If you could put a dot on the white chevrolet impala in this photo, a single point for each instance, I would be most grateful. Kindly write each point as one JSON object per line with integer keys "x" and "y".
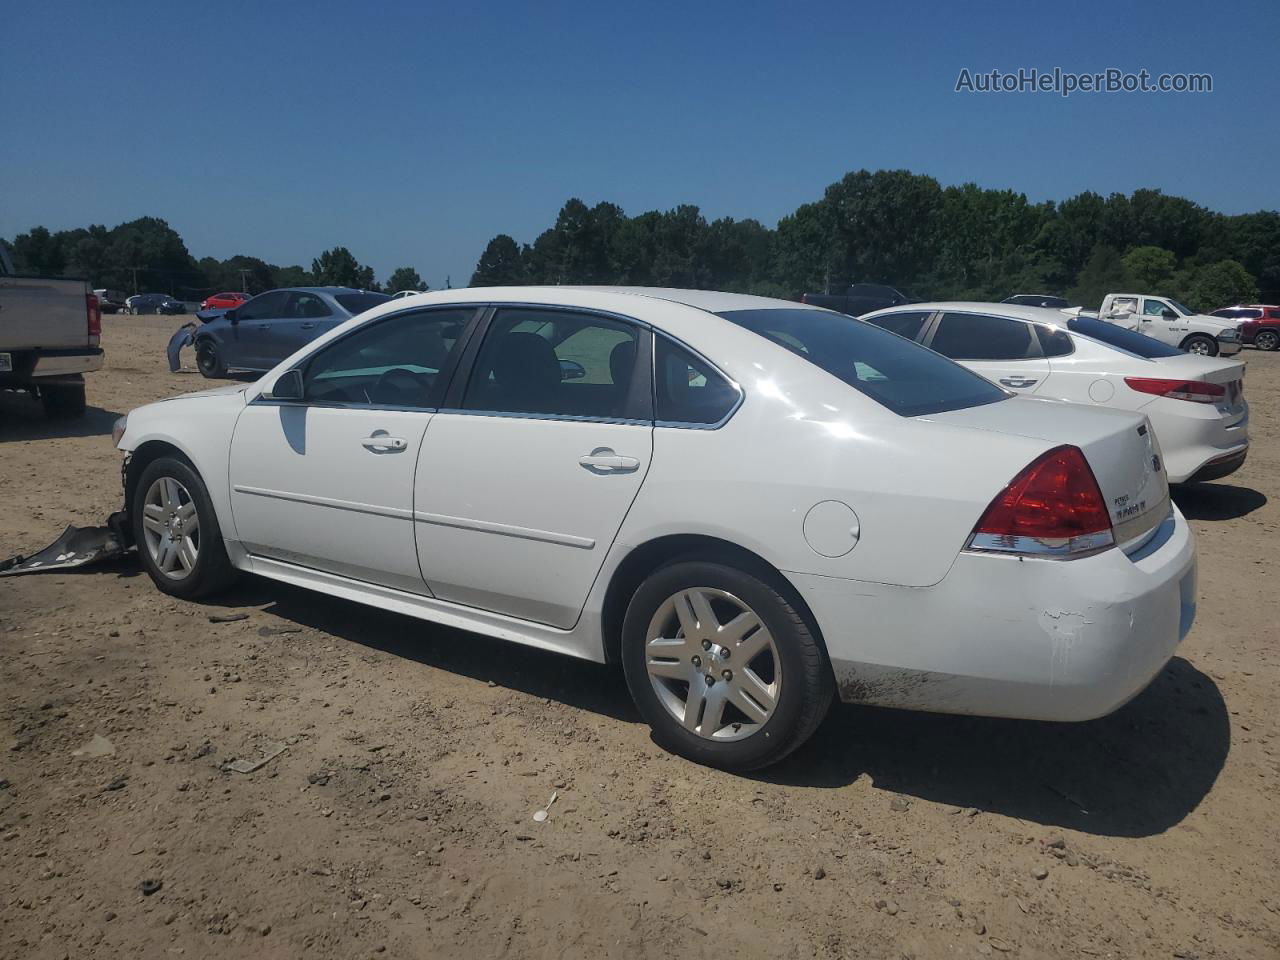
{"x": 750, "y": 504}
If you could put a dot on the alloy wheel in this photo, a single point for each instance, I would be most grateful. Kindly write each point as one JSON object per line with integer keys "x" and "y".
{"x": 171, "y": 528}
{"x": 1267, "y": 340}
{"x": 1199, "y": 347}
{"x": 713, "y": 664}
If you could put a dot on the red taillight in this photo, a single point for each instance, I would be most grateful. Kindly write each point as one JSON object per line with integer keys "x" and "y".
{"x": 1052, "y": 508}
{"x": 93, "y": 311}
{"x": 1197, "y": 391}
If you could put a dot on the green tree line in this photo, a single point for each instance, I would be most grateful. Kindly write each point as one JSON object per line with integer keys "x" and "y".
{"x": 147, "y": 255}
{"x": 887, "y": 226}
{"x": 906, "y": 230}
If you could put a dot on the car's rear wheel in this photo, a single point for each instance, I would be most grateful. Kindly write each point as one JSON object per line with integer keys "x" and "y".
{"x": 64, "y": 401}
{"x": 1267, "y": 340}
{"x": 176, "y": 531}
{"x": 725, "y": 670}
{"x": 209, "y": 359}
{"x": 1201, "y": 345}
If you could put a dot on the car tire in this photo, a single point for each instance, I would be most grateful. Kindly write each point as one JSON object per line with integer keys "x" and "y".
{"x": 774, "y": 682}
{"x": 209, "y": 359}
{"x": 183, "y": 559}
{"x": 1201, "y": 344}
{"x": 63, "y": 401}
{"x": 1267, "y": 340}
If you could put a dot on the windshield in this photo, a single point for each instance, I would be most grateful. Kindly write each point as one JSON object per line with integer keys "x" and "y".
{"x": 909, "y": 379}
{"x": 1185, "y": 311}
{"x": 355, "y": 303}
{"x": 1121, "y": 338}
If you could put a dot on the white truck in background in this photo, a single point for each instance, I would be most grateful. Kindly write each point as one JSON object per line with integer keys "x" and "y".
{"x": 50, "y": 330}
{"x": 1166, "y": 320}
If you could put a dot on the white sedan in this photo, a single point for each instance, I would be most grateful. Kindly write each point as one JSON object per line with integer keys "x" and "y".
{"x": 750, "y": 504}
{"x": 1195, "y": 403}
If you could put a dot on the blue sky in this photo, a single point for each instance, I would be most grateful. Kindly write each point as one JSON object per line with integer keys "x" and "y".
{"x": 412, "y": 132}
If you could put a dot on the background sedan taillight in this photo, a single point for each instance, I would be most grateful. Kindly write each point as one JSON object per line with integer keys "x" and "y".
{"x": 1053, "y": 508}
{"x": 1197, "y": 391}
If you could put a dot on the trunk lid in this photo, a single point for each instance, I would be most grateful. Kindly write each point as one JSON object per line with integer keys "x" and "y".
{"x": 1119, "y": 445}
{"x": 1228, "y": 374}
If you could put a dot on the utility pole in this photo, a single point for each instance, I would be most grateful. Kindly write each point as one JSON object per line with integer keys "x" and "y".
{"x": 135, "y": 276}
{"x": 244, "y": 282}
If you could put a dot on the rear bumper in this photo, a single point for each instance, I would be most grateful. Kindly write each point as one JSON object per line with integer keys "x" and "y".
{"x": 999, "y": 636}
{"x": 1194, "y": 437}
{"x": 1221, "y": 466}
{"x": 29, "y": 365}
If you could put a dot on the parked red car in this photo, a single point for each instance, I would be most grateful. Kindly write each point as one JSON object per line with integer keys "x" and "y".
{"x": 1259, "y": 323}
{"x": 224, "y": 301}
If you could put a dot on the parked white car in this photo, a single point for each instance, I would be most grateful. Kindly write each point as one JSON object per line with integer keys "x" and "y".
{"x": 749, "y": 503}
{"x": 1166, "y": 320}
{"x": 1195, "y": 403}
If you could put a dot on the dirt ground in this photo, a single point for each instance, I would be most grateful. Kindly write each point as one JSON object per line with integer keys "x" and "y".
{"x": 398, "y": 822}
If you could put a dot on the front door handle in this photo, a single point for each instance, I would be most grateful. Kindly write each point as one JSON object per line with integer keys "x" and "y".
{"x": 383, "y": 442}
{"x": 603, "y": 459}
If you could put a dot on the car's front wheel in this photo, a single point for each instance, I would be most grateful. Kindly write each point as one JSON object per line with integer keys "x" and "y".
{"x": 209, "y": 359}
{"x": 722, "y": 666}
{"x": 177, "y": 532}
{"x": 1201, "y": 345}
{"x": 1267, "y": 340}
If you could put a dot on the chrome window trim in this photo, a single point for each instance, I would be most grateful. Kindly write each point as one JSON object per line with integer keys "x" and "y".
{"x": 336, "y": 405}
{"x": 566, "y": 417}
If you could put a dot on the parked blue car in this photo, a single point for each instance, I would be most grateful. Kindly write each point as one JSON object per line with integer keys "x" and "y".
{"x": 263, "y": 331}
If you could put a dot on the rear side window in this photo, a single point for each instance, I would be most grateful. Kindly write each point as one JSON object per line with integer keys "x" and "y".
{"x": 1121, "y": 338}
{"x": 905, "y": 324}
{"x": 688, "y": 390}
{"x": 1238, "y": 314}
{"x": 976, "y": 336}
{"x": 897, "y": 373}
{"x": 556, "y": 363}
{"x": 355, "y": 303}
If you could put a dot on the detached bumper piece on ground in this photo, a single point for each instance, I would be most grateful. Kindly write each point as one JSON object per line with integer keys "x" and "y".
{"x": 77, "y": 547}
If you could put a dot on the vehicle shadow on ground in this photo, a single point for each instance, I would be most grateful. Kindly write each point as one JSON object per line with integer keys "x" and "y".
{"x": 1137, "y": 772}
{"x": 576, "y": 683}
{"x": 1216, "y": 501}
{"x": 22, "y": 418}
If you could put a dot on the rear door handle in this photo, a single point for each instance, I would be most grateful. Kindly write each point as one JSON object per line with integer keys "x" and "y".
{"x": 383, "y": 442}
{"x": 606, "y": 459}
{"x": 308, "y": 326}
{"x": 1019, "y": 383}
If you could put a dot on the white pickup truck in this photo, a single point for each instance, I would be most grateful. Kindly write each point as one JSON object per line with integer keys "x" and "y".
{"x": 49, "y": 338}
{"x": 1168, "y": 321}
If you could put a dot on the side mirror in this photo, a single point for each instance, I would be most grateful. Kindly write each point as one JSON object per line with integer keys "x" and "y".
{"x": 572, "y": 370}
{"x": 233, "y": 316}
{"x": 288, "y": 386}
{"x": 1168, "y": 314}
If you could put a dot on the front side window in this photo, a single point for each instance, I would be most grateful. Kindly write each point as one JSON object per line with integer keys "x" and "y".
{"x": 556, "y": 363}
{"x": 688, "y": 390}
{"x": 898, "y": 374}
{"x": 975, "y": 336}
{"x": 1154, "y": 308}
{"x": 906, "y": 324}
{"x": 264, "y": 306}
{"x": 394, "y": 362}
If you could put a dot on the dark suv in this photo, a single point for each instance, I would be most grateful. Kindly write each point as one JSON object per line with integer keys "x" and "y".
{"x": 1259, "y": 323}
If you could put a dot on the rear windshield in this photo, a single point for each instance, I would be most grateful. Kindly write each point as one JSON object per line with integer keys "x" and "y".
{"x": 1124, "y": 339}
{"x": 899, "y": 374}
{"x": 355, "y": 303}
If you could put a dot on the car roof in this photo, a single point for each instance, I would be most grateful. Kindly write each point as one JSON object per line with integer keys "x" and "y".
{"x": 712, "y": 301}
{"x": 1047, "y": 315}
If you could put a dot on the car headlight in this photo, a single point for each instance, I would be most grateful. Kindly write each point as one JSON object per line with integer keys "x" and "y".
{"x": 118, "y": 428}
{"x": 1229, "y": 335}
